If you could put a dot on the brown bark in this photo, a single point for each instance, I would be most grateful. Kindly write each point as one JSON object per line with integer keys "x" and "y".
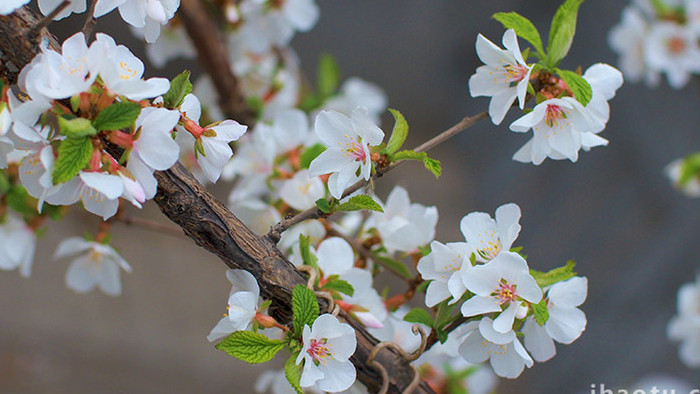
{"x": 212, "y": 226}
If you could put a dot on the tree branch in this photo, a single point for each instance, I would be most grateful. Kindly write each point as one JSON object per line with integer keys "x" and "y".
{"x": 214, "y": 56}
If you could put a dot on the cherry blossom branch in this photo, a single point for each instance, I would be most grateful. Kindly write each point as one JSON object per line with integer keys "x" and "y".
{"x": 214, "y": 57}
{"x": 16, "y": 45}
{"x": 90, "y": 21}
{"x": 36, "y": 29}
{"x": 314, "y": 213}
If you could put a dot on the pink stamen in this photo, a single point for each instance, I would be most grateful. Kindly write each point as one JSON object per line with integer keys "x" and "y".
{"x": 318, "y": 350}
{"x": 553, "y": 114}
{"x": 506, "y": 292}
{"x": 515, "y": 72}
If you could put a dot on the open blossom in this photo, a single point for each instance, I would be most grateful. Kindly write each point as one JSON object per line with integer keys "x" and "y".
{"x": 327, "y": 347}
{"x": 503, "y": 285}
{"x": 243, "y": 303}
{"x": 674, "y": 50}
{"x": 442, "y": 267}
{"x": 506, "y": 354}
{"x": 97, "y": 265}
{"x": 302, "y": 191}
{"x": 98, "y": 191}
{"x": 566, "y": 322}
{"x": 270, "y": 23}
{"x": 604, "y": 80}
{"x": 348, "y": 141}
{"x": 490, "y": 237}
{"x": 685, "y": 326}
{"x": 404, "y": 226}
{"x": 504, "y": 76}
{"x": 147, "y": 14}
{"x": 628, "y": 40}
{"x": 17, "y": 245}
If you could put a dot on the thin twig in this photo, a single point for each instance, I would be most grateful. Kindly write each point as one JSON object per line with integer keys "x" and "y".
{"x": 90, "y": 21}
{"x": 36, "y": 29}
{"x": 314, "y": 213}
{"x": 150, "y": 225}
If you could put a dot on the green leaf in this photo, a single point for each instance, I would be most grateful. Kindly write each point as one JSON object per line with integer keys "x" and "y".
{"x": 76, "y": 127}
{"x": 305, "y": 308}
{"x": 328, "y": 76}
{"x": 20, "y": 201}
{"x": 444, "y": 314}
{"x": 340, "y": 286}
{"x": 310, "y": 154}
{"x": 554, "y": 276}
{"x": 541, "y": 312}
{"x": 359, "y": 202}
{"x": 433, "y": 166}
{"x": 399, "y": 133}
{"x": 305, "y": 250}
{"x": 561, "y": 34}
{"x": 690, "y": 168}
{"x": 75, "y": 102}
{"x": 292, "y": 372}
{"x": 419, "y": 315}
{"x": 4, "y": 181}
{"x": 523, "y": 29}
{"x": 394, "y": 265}
{"x": 251, "y": 347}
{"x": 73, "y": 155}
{"x": 117, "y": 116}
{"x": 579, "y": 87}
{"x": 180, "y": 87}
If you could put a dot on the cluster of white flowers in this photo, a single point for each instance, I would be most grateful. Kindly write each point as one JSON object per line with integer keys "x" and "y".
{"x": 657, "y": 37}
{"x": 685, "y": 326}
{"x": 501, "y": 290}
{"x": 561, "y": 125}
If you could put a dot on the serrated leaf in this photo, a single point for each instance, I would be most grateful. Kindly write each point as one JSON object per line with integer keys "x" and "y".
{"x": 409, "y": 155}
{"x": 310, "y": 154}
{"x": 579, "y": 87}
{"x": 359, "y": 202}
{"x": 305, "y": 250}
{"x": 433, "y": 166}
{"x": 394, "y": 265}
{"x": 523, "y": 29}
{"x": 117, "y": 116}
{"x": 73, "y": 155}
{"x": 541, "y": 312}
{"x": 419, "y": 315}
{"x": 305, "y": 308}
{"x": 561, "y": 33}
{"x": 292, "y": 372}
{"x": 328, "y": 76}
{"x": 180, "y": 87}
{"x": 555, "y": 275}
{"x": 251, "y": 347}
{"x": 340, "y": 286}
{"x": 76, "y": 127}
{"x": 399, "y": 133}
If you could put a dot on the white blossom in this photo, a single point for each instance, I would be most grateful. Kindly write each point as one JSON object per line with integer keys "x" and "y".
{"x": 147, "y": 14}
{"x": 356, "y": 92}
{"x": 17, "y": 245}
{"x": 99, "y": 193}
{"x": 504, "y": 77}
{"x": 243, "y": 303}
{"x": 348, "y": 141}
{"x": 301, "y": 191}
{"x": 327, "y": 347}
{"x": 442, "y": 267}
{"x": 673, "y": 49}
{"x": 97, "y": 265}
{"x": 628, "y": 40}
{"x": 685, "y": 326}
{"x": 490, "y": 237}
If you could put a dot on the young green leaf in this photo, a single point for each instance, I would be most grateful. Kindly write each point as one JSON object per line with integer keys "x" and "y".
{"x": 556, "y": 275}
{"x": 323, "y": 205}
{"x": 561, "y": 34}
{"x": 310, "y": 154}
{"x": 419, "y": 315}
{"x": 523, "y": 29}
{"x": 398, "y": 135}
{"x": 251, "y": 347}
{"x": 394, "y": 265}
{"x": 359, "y": 202}
{"x": 305, "y": 308}
{"x": 76, "y": 127}
{"x": 328, "y": 76}
{"x": 73, "y": 155}
{"x": 541, "y": 312}
{"x": 117, "y": 116}
{"x": 20, "y": 201}
{"x": 340, "y": 286}
{"x": 180, "y": 87}
{"x": 433, "y": 166}
{"x": 292, "y": 372}
{"x": 305, "y": 250}
{"x": 579, "y": 87}
{"x": 690, "y": 168}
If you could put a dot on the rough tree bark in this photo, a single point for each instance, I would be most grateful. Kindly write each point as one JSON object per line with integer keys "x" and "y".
{"x": 212, "y": 226}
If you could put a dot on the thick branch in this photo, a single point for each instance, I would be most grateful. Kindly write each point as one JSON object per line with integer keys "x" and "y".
{"x": 212, "y": 226}
{"x": 17, "y": 47}
{"x": 214, "y": 56}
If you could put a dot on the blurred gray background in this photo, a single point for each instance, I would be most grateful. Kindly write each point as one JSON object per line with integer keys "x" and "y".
{"x": 632, "y": 235}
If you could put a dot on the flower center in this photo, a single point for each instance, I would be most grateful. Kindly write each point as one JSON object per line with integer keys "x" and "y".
{"x": 553, "y": 114}
{"x": 515, "y": 72}
{"x": 675, "y": 45}
{"x": 319, "y": 351}
{"x": 353, "y": 148}
{"x": 505, "y": 293}
{"x": 492, "y": 249}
